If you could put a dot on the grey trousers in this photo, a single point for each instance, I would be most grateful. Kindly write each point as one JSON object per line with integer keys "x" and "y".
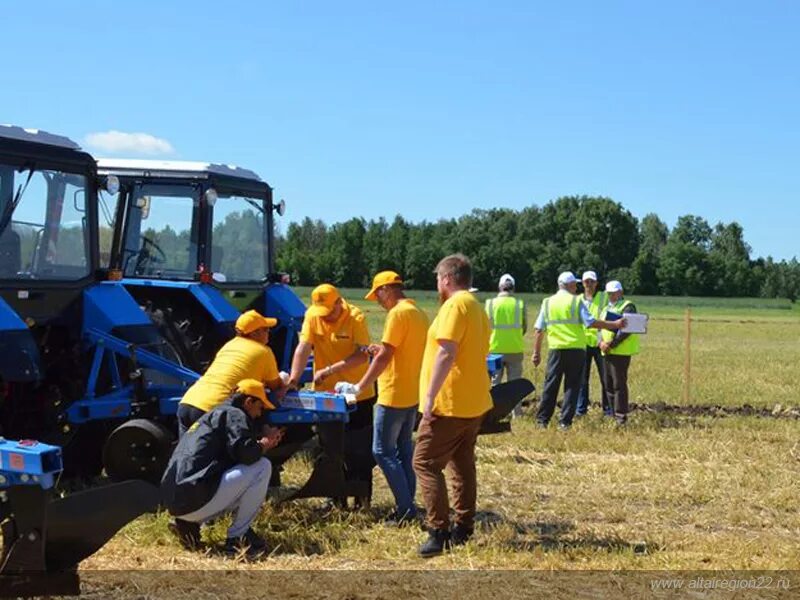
{"x": 512, "y": 366}
{"x": 242, "y": 489}
{"x": 616, "y": 375}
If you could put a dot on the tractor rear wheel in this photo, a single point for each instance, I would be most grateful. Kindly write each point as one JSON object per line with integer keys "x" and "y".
{"x": 138, "y": 449}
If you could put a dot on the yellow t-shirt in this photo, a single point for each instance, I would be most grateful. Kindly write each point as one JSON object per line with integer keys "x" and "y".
{"x": 336, "y": 341}
{"x": 405, "y": 330}
{"x": 465, "y": 392}
{"x": 240, "y": 358}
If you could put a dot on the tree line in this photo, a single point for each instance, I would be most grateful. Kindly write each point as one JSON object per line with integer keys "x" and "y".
{"x": 535, "y": 244}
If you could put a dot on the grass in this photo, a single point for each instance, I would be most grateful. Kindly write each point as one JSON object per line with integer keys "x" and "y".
{"x": 670, "y": 492}
{"x": 743, "y": 350}
{"x": 666, "y": 493}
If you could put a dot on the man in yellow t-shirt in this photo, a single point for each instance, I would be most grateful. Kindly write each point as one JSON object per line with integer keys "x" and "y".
{"x": 454, "y": 397}
{"x": 396, "y": 366}
{"x": 337, "y": 333}
{"x": 246, "y": 356}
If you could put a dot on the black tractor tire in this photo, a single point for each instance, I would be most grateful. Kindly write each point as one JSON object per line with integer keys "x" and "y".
{"x": 138, "y": 449}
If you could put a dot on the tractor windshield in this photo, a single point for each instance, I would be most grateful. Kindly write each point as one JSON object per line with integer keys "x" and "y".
{"x": 161, "y": 232}
{"x": 239, "y": 239}
{"x": 44, "y": 230}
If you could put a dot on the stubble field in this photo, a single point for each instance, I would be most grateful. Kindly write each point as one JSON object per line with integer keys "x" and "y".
{"x": 678, "y": 489}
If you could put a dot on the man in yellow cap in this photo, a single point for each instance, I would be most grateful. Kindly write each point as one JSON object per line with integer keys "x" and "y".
{"x": 337, "y": 333}
{"x": 396, "y": 366}
{"x": 246, "y": 356}
{"x": 218, "y": 466}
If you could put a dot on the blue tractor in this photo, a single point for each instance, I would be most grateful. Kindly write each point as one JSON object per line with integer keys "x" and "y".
{"x": 86, "y": 372}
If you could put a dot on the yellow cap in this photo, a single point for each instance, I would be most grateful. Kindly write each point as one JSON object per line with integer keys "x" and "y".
{"x": 252, "y": 320}
{"x": 323, "y": 299}
{"x": 254, "y": 388}
{"x": 381, "y": 279}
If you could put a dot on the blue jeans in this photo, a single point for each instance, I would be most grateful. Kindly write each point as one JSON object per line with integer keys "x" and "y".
{"x": 394, "y": 453}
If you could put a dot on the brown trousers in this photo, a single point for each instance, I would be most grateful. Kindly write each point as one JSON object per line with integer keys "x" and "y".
{"x": 447, "y": 442}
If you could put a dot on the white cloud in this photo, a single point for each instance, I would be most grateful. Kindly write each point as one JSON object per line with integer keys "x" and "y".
{"x": 119, "y": 142}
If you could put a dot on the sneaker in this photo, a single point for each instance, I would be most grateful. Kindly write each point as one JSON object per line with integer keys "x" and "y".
{"x": 252, "y": 543}
{"x": 188, "y": 533}
{"x": 339, "y": 503}
{"x": 397, "y": 520}
{"x": 563, "y": 427}
{"x": 541, "y": 425}
{"x": 460, "y": 535}
{"x": 438, "y": 541}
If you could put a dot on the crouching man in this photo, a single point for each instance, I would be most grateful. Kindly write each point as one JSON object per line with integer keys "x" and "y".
{"x": 218, "y": 466}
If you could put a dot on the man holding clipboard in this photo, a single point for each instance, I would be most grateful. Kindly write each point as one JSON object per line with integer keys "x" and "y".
{"x": 618, "y": 347}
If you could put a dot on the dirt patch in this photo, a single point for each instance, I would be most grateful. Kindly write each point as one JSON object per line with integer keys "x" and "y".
{"x": 745, "y": 410}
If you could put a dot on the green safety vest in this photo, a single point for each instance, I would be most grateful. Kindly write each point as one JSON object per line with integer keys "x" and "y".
{"x": 599, "y": 302}
{"x": 506, "y": 316}
{"x": 562, "y": 315}
{"x": 630, "y": 345}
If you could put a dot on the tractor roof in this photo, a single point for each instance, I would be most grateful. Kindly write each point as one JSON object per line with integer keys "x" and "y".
{"x": 172, "y": 168}
{"x": 37, "y": 136}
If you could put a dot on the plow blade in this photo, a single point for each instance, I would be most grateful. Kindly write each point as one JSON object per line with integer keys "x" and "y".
{"x": 327, "y": 478}
{"x": 505, "y": 397}
{"x": 45, "y": 539}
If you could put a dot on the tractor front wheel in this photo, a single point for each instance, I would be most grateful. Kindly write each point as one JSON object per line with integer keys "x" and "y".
{"x": 138, "y": 449}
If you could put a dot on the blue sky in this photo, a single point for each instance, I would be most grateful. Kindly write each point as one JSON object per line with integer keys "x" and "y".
{"x": 432, "y": 109}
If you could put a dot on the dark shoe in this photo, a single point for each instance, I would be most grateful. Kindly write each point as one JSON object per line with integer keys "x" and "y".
{"x": 251, "y": 543}
{"x": 361, "y": 502}
{"x": 335, "y": 504}
{"x": 397, "y": 520}
{"x": 541, "y": 425}
{"x": 622, "y": 421}
{"x": 460, "y": 535}
{"x": 188, "y": 533}
{"x": 438, "y": 541}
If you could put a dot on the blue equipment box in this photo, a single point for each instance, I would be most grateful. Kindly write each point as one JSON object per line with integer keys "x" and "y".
{"x": 28, "y": 462}
{"x": 494, "y": 362}
{"x": 309, "y": 407}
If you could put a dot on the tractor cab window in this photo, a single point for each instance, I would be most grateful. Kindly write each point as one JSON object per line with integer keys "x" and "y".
{"x": 44, "y": 228}
{"x": 107, "y": 209}
{"x": 160, "y": 240}
{"x": 238, "y": 239}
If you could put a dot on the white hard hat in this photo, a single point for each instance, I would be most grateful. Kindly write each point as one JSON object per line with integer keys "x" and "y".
{"x": 506, "y": 278}
{"x": 589, "y": 275}
{"x": 566, "y": 277}
{"x": 614, "y": 286}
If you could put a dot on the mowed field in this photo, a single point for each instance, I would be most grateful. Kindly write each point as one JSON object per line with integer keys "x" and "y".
{"x": 674, "y": 490}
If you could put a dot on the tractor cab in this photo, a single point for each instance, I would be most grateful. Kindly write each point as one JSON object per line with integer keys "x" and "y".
{"x": 194, "y": 243}
{"x": 48, "y": 256}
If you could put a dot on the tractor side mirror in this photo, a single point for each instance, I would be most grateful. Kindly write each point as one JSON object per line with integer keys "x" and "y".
{"x": 143, "y": 204}
{"x": 280, "y": 207}
{"x": 211, "y": 196}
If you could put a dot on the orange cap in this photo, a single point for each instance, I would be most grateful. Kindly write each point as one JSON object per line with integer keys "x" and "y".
{"x": 323, "y": 299}
{"x": 252, "y": 320}
{"x": 381, "y": 279}
{"x": 254, "y": 388}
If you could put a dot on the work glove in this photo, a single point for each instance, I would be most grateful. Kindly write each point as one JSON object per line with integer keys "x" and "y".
{"x": 349, "y": 390}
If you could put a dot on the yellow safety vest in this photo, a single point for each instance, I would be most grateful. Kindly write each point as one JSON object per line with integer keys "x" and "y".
{"x": 630, "y": 345}
{"x": 505, "y": 318}
{"x": 562, "y": 315}
{"x": 595, "y": 308}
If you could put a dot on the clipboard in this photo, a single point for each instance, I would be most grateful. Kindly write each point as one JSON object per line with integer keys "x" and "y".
{"x": 635, "y": 323}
